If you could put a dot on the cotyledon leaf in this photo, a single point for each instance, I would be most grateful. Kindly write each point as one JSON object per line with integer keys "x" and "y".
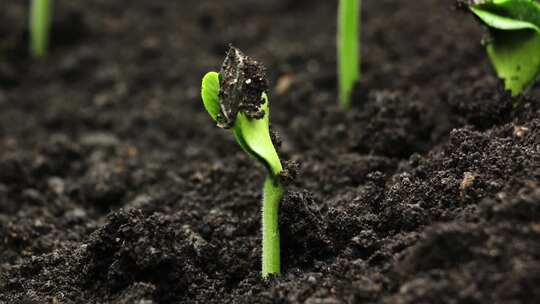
{"x": 253, "y": 135}
{"x": 514, "y": 49}
{"x": 515, "y": 58}
{"x": 209, "y": 93}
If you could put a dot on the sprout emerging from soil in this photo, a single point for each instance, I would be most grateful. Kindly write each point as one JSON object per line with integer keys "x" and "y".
{"x": 348, "y": 49}
{"x": 514, "y": 45}
{"x": 40, "y": 23}
{"x": 236, "y": 98}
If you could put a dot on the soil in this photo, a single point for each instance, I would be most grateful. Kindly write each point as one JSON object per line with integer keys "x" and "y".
{"x": 116, "y": 186}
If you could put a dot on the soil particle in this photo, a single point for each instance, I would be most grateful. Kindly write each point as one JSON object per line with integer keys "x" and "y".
{"x": 132, "y": 245}
{"x": 302, "y": 230}
{"x": 466, "y": 182}
{"x": 289, "y": 173}
{"x": 473, "y": 250}
{"x": 482, "y": 107}
{"x": 520, "y": 131}
{"x": 104, "y": 185}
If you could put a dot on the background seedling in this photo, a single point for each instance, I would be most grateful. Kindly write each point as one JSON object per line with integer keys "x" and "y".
{"x": 236, "y": 98}
{"x": 39, "y": 25}
{"x": 514, "y": 48}
{"x": 348, "y": 49}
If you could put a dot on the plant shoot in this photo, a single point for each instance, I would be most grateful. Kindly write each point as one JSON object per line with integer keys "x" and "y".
{"x": 348, "y": 49}
{"x": 40, "y": 24}
{"x": 236, "y": 99}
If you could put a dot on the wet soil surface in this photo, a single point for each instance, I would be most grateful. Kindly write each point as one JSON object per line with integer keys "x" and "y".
{"x": 116, "y": 187}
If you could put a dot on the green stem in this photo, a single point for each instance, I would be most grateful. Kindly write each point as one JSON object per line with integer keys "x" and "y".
{"x": 271, "y": 260}
{"x": 40, "y": 22}
{"x": 348, "y": 49}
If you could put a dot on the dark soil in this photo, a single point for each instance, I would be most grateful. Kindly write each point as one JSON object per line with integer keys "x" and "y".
{"x": 116, "y": 186}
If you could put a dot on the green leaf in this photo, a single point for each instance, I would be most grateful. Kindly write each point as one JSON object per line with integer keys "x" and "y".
{"x": 515, "y": 58}
{"x": 515, "y": 46}
{"x": 209, "y": 93}
{"x": 253, "y": 135}
{"x": 509, "y": 14}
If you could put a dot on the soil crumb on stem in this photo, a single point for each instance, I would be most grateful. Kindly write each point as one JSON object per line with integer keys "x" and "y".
{"x": 242, "y": 83}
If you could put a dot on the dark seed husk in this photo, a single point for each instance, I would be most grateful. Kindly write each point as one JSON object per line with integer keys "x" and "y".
{"x": 242, "y": 82}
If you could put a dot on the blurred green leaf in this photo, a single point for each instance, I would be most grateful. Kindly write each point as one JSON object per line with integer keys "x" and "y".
{"x": 209, "y": 93}
{"x": 514, "y": 48}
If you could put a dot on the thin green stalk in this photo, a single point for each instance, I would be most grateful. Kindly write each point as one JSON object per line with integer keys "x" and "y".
{"x": 271, "y": 260}
{"x": 348, "y": 49}
{"x": 40, "y": 23}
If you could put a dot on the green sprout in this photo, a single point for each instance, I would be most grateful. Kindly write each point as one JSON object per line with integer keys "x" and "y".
{"x": 514, "y": 47}
{"x": 236, "y": 98}
{"x": 40, "y": 23}
{"x": 348, "y": 49}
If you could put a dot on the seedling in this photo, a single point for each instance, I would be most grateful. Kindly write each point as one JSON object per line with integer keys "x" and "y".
{"x": 236, "y": 99}
{"x": 348, "y": 49}
{"x": 39, "y": 24}
{"x": 514, "y": 47}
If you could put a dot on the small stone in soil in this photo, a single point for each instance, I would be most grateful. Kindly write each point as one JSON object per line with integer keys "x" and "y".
{"x": 520, "y": 131}
{"x": 466, "y": 182}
